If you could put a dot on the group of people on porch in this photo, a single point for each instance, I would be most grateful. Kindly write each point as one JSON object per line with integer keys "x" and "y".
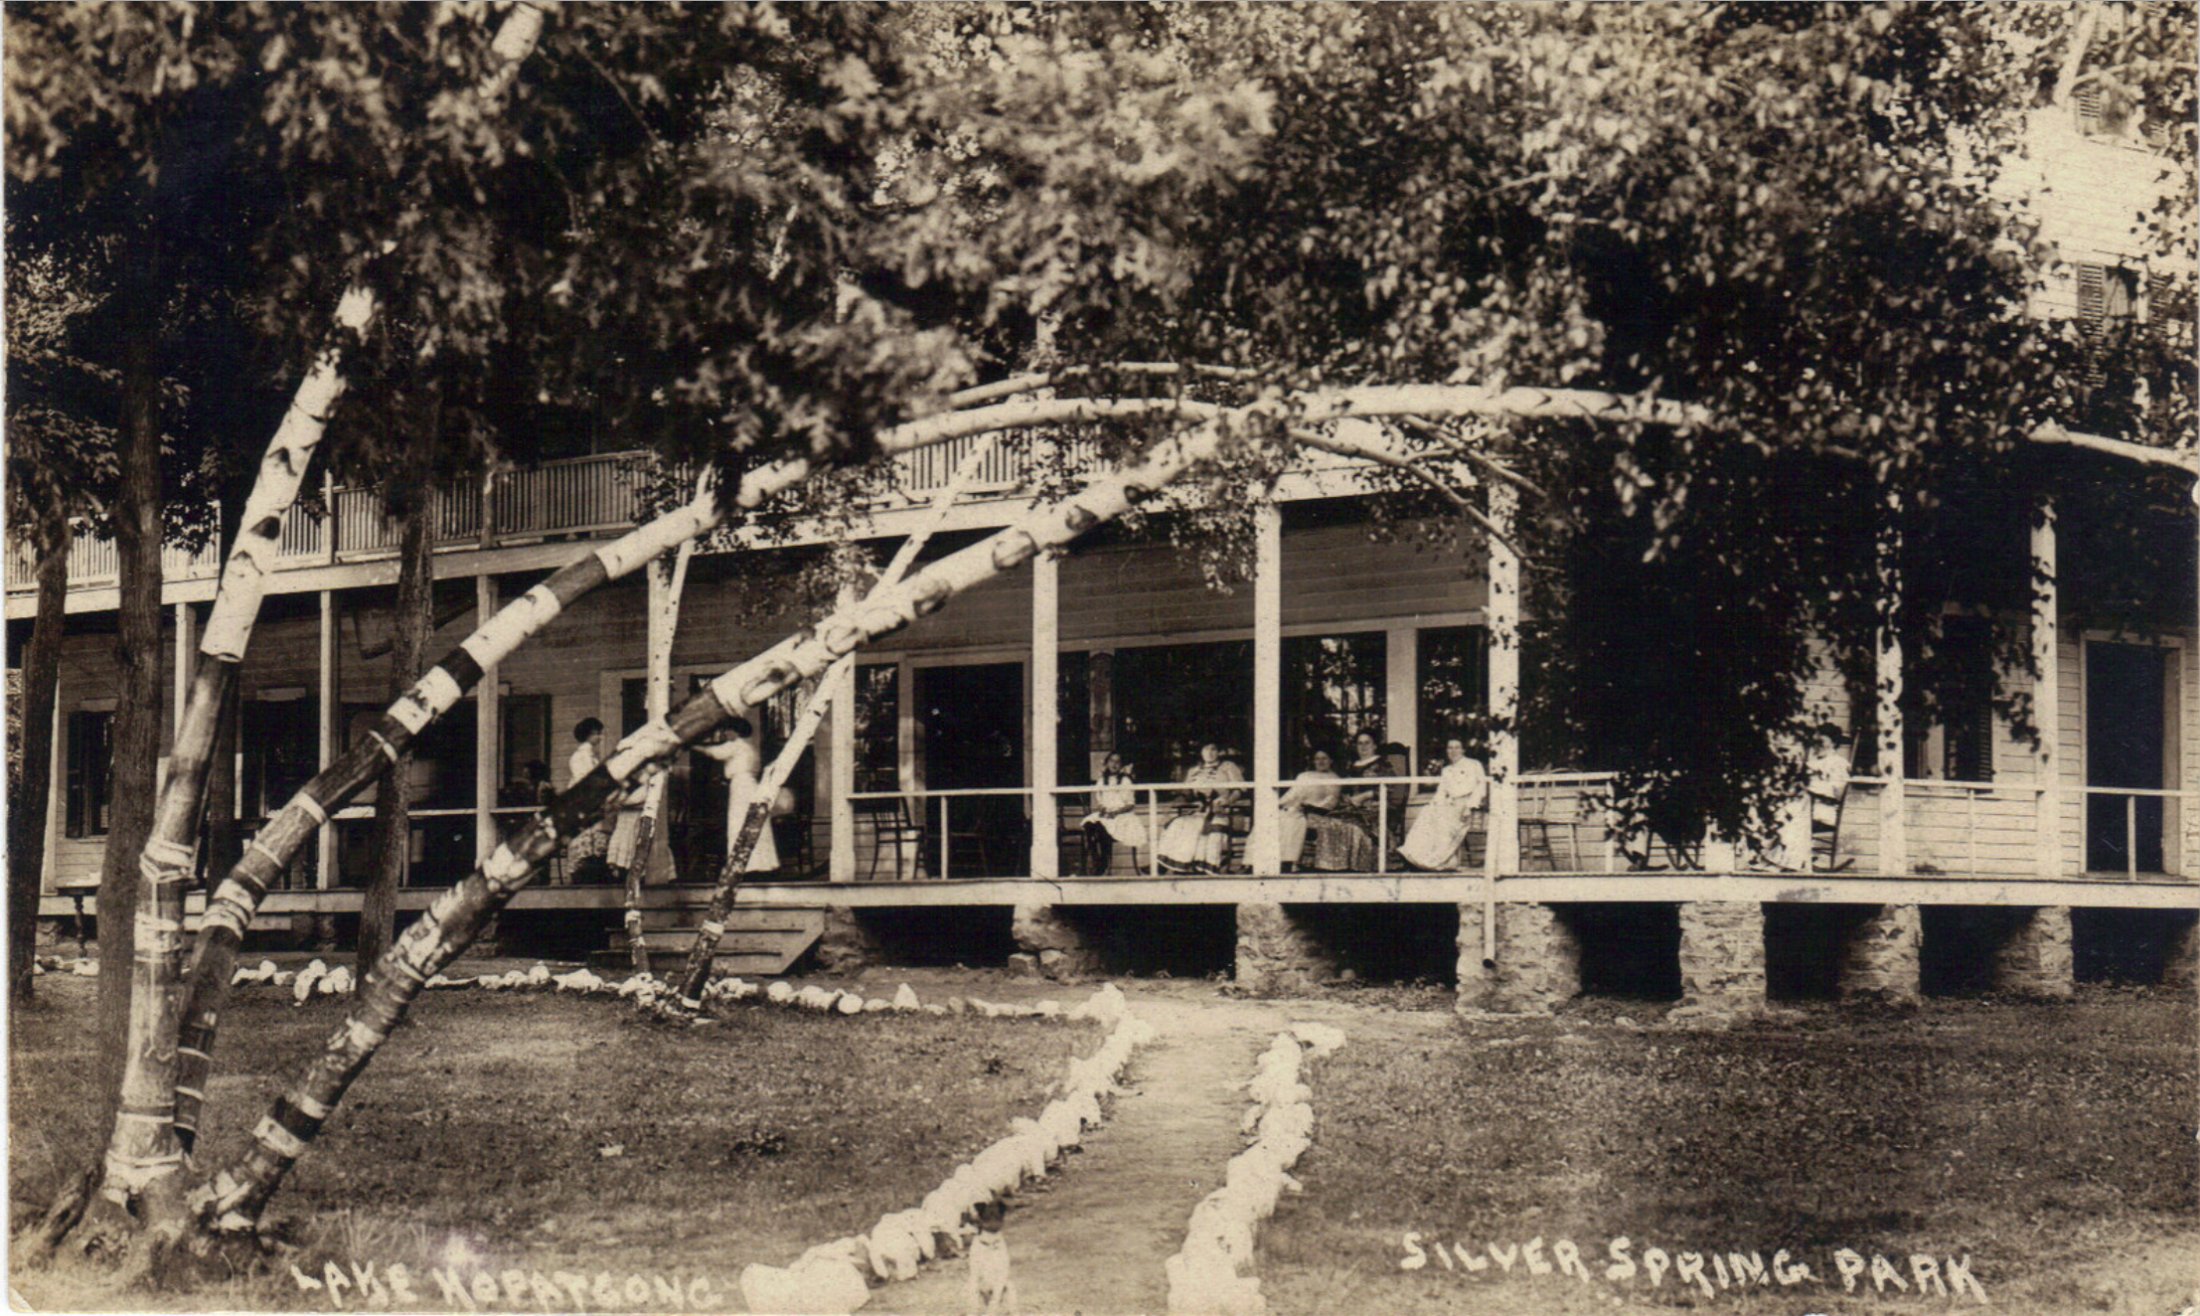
{"x": 1324, "y": 822}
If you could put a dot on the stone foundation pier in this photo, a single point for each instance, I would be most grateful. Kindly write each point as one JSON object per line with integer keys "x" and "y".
{"x": 1055, "y": 943}
{"x": 2034, "y": 957}
{"x": 1722, "y": 960}
{"x": 1536, "y": 965}
{"x": 1880, "y": 961}
{"x": 1277, "y": 951}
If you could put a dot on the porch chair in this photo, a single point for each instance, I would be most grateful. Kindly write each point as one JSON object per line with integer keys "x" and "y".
{"x": 1825, "y": 832}
{"x": 890, "y": 825}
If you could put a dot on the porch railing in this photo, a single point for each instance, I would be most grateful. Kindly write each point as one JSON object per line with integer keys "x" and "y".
{"x": 579, "y": 496}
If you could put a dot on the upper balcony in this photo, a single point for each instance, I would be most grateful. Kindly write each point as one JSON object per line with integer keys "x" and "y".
{"x": 574, "y": 498}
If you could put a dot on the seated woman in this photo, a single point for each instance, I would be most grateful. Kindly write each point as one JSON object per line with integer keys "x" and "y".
{"x": 1374, "y": 808}
{"x": 1197, "y": 840}
{"x": 1442, "y": 828}
{"x": 1114, "y": 819}
{"x": 1308, "y": 808}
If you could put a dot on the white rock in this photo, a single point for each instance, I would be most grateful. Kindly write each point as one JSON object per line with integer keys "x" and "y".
{"x": 905, "y": 999}
{"x": 816, "y": 1288}
{"x": 579, "y": 980}
{"x": 850, "y": 1003}
{"x": 1321, "y": 1039}
{"x": 877, "y": 1005}
{"x": 302, "y": 986}
{"x": 538, "y": 976}
{"x": 337, "y": 981}
{"x": 780, "y": 992}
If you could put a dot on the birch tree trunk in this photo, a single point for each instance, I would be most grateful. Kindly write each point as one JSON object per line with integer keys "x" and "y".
{"x": 670, "y": 580}
{"x": 231, "y": 908}
{"x": 144, "y": 1151}
{"x": 758, "y": 815}
{"x": 28, "y": 804}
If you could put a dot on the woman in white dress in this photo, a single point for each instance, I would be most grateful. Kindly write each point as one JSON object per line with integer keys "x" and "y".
{"x": 585, "y": 850}
{"x": 1114, "y": 819}
{"x": 1312, "y": 795}
{"x": 1442, "y": 828}
{"x": 743, "y": 765}
{"x": 1198, "y": 839}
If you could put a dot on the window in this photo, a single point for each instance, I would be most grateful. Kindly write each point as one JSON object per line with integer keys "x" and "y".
{"x": 527, "y": 744}
{"x": 1452, "y": 686}
{"x": 1075, "y": 712}
{"x": 1172, "y": 698}
{"x": 1333, "y": 689}
{"x": 1967, "y": 700}
{"x": 91, "y": 772}
{"x": 280, "y": 744}
{"x": 878, "y": 727}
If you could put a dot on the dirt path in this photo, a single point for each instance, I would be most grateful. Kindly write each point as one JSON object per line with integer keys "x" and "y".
{"x": 1093, "y": 1238}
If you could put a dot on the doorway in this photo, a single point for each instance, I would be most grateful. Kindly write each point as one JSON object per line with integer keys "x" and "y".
{"x": 2126, "y": 747}
{"x": 970, "y": 724}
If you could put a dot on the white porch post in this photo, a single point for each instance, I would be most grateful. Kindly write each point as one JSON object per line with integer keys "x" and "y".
{"x": 1260, "y": 847}
{"x": 187, "y": 648}
{"x": 1894, "y": 848}
{"x": 488, "y": 709}
{"x": 1401, "y": 700}
{"x": 331, "y": 710}
{"x": 841, "y": 764}
{"x": 2047, "y": 693}
{"x": 1503, "y": 851}
{"x": 1046, "y": 640}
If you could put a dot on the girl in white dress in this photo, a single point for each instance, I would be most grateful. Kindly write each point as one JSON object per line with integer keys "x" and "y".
{"x": 1114, "y": 819}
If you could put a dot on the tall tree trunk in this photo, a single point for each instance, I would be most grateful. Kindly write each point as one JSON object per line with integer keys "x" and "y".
{"x": 136, "y": 737}
{"x": 143, "y": 1152}
{"x": 411, "y": 625}
{"x": 28, "y": 804}
{"x": 224, "y": 838}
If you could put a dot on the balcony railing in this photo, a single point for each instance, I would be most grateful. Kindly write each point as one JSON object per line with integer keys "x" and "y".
{"x": 579, "y": 496}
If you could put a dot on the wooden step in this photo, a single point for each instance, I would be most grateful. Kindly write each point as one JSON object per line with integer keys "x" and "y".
{"x": 757, "y": 941}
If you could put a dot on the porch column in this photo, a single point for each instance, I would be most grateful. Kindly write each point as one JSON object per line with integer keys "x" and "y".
{"x": 1260, "y": 847}
{"x": 2047, "y": 692}
{"x": 1894, "y": 849}
{"x": 488, "y": 707}
{"x": 1046, "y": 653}
{"x": 331, "y": 709}
{"x": 1401, "y": 700}
{"x": 841, "y": 764}
{"x": 186, "y": 647}
{"x": 1503, "y": 850}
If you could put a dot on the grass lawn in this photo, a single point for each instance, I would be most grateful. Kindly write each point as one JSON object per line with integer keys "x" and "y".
{"x": 2052, "y": 1144}
{"x": 488, "y": 1117}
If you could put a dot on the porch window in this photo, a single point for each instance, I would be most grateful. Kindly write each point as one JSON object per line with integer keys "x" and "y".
{"x": 1172, "y": 698}
{"x": 280, "y": 740}
{"x": 1453, "y": 688}
{"x": 91, "y": 772}
{"x": 878, "y": 727}
{"x": 1333, "y": 688}
{"x": 526, "y": 741}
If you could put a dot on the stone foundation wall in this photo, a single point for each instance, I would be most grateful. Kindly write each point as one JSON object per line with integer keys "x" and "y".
{"x": 1880, "y": 961}
{"x": 1538, "y": 960}
{"x": 1722, "y": 960}
{"x": 1055, "y": 945}
{"x": 2182, "y": 966}
{"x": 1275, "y": 952}
{"x": 846, "y": 945}
{"x": 2035, "y": 958}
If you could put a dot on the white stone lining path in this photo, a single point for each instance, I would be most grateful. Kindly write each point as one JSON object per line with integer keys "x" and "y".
{"x": 1212, "y": 1275}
